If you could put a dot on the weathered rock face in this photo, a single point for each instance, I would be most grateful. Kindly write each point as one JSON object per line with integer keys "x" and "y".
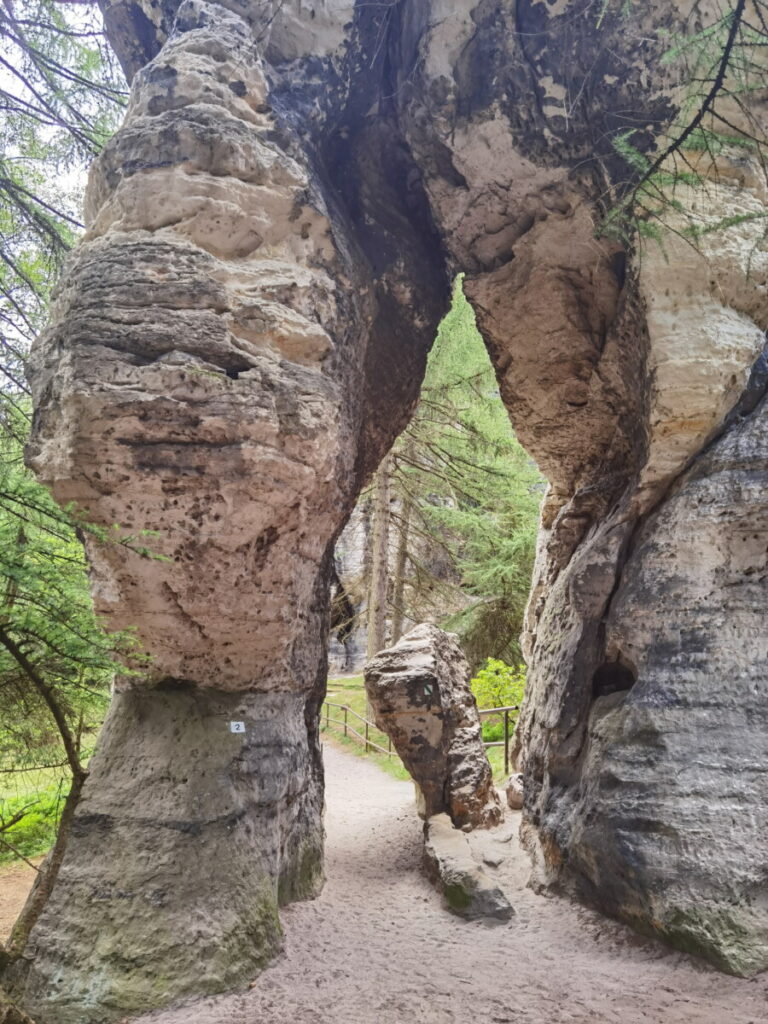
{"x": 420, "y": 695}
{"x": 464, "y": 883}
{"x": 171, "y": 786}
{"x": 237, "y": 341}
{"x": 212, "y": 374}
{"x": 687, "y": 743}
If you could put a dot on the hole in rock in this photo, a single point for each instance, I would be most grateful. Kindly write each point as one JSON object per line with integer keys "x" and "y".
{"x": 612, "y": 677}
{"x": 445, "y": 533}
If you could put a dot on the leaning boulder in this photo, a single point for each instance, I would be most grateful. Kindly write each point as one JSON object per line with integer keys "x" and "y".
{"x": 420, "y": 694}
{"x": 467, "y": 889}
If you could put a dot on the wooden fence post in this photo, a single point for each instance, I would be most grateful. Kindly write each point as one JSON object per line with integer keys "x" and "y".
{"x": 506, "y": 742}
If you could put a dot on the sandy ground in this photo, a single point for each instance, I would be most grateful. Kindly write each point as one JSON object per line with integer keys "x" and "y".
{"x": 15, "y": 882}
{"x": 378, "y": 948}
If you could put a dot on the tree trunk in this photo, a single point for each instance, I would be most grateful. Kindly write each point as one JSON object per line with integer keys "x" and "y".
{"x": 50, "y": 870}
{"x": 401, "y": 561}
{"x": 377, "y": 602}
{"x": 10, "y": 1013}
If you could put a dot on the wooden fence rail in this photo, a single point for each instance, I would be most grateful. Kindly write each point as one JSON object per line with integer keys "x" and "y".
{"x": 349, "y": 730}
{"x": 343, "y": 726}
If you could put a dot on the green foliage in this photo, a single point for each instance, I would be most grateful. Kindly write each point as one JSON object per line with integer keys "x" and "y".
{"x": 46, "y": 601}
{"x": 698, "y": 230}
{"x": 720, "y": 66}
{"x": 35, "y": 831}
{"x": 498, "y": 685}
{"x": 61, "y": 94}
{"x": 474, "y": 495}
{"x": 53, "y": 651}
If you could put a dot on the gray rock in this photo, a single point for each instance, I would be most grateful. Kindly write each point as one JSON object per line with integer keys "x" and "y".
{"x": 467, "y": 889}
{"x": 493, "y": 860}
{"x": 692, "y": 815}
{"x": 515, "y": 793}
{"x": 211, "y": 375}
{"x": 420, "y": 694}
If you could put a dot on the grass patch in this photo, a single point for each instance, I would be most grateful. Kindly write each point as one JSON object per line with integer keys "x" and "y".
{"x": 351, "y": 691}
{"x": 496, "y": 758}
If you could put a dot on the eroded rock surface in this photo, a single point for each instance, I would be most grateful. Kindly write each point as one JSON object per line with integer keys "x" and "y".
{"x": 213, "y": 375}
{"x": 237, "y": 341}
{"x": 420, "y": 694}
{"x": 689, "y": 733}
{"x": 515, "y": 791}
{"x": 465, "y": 885}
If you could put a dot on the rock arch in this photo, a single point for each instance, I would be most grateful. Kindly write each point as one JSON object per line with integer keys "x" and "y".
{"x": 236, "y": 343}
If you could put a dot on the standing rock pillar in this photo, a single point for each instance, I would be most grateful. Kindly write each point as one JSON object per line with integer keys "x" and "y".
{"x": 204, "y": 379}
{"x": 420, "y": 694}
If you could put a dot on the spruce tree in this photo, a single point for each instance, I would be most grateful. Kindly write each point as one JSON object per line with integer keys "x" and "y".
{"x": 462, "y": 510}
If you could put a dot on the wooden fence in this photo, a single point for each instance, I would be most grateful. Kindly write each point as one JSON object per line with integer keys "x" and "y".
{"x": 363, "y": 731}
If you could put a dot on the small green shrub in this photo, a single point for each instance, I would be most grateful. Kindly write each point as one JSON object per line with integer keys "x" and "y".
{"x": 498, "y": 685}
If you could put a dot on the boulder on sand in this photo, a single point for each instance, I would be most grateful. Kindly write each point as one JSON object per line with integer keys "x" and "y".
{"x": 467, "y": 888}
{"x": 514, "y": 790}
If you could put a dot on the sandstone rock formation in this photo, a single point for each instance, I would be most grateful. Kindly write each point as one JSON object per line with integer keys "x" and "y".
{"x": 515, "y": 792}
{"x": 464, "y": 883}
{"x": 235, "y": 344}
{"x": 347, "y": 646}
{"x": 420, "y": 694}
{"x": 212, "y": 375}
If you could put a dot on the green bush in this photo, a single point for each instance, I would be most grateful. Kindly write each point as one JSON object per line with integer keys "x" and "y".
{"x": 35, "y": 833}
{"x": 498, "y": 685}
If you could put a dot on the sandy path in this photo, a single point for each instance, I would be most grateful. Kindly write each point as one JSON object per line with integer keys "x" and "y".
{"x": 377, "y": 948}
{"x": 15, "y": 882}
